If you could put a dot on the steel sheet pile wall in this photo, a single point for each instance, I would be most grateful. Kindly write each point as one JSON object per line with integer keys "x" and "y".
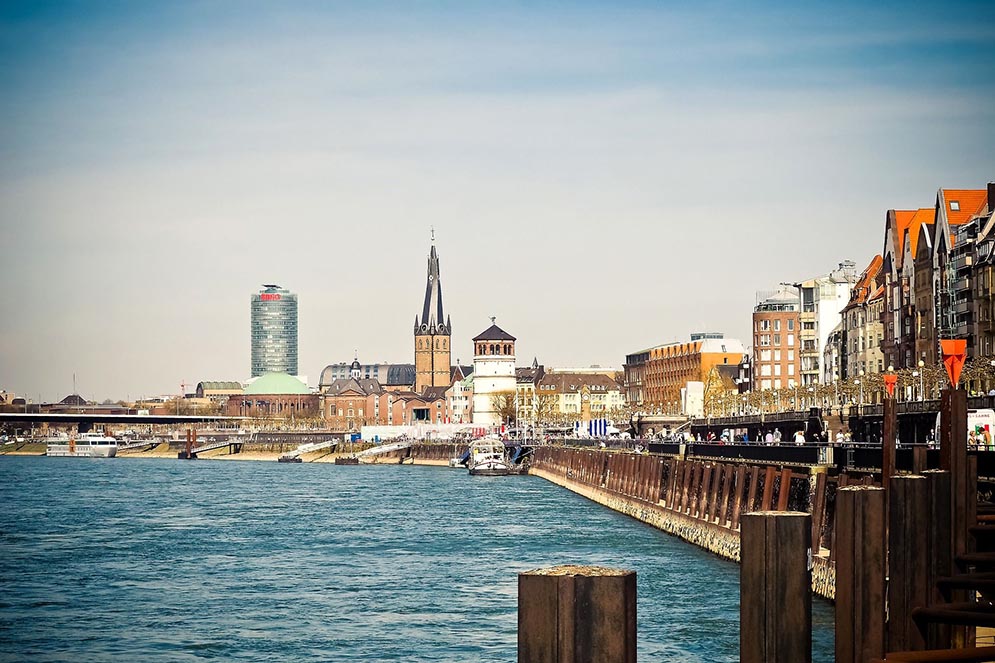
{"x": 701, "y": 501}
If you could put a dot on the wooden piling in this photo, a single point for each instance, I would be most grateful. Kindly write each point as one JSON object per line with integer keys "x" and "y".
{"x": 784, "y": 490}
{"x": 953, "y": 458}
{"x": 775, "y": 588}
{"x": 577, "y": 614}
{"x": 888, "y": 443}
{"x": 861, "y": 568}
{"x": 818, "y": 510}
{"x": 907, "y": 561}
{"x": 938, "y": 548}
{"x": 738, "y": 500}
{"x": 766, "y": 503}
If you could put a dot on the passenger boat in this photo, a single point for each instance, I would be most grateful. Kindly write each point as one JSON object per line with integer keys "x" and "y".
{"x": 88, "y": 445}
{"x": 488, "y": 457}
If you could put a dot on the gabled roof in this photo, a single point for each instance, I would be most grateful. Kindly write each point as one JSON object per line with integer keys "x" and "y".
{"x": 460, "y": 373}
{"x": 923, "y": 215}
{"x": 573, "y": 382}
{"x": 73, "y": 399}
{"x": 363, "y": 387}
{"x": 494, "y": 333}
{"x": 969, "y": 203}
{"x": 864, "y": 286}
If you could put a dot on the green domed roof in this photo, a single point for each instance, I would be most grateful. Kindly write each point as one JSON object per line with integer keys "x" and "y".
{"x": 277, "y": 383}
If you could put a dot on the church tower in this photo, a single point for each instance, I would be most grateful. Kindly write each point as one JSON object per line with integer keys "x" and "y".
{"x": 432, "y": 333}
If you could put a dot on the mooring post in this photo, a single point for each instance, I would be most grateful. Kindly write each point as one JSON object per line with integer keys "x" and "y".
{"x": 907, "y": 562}
{"x": 940, "y": 564}
{"x": 888, "y": 443}
{"x": 775, "y": 587}
{"x": 861, "y": 568}
{"x": 577, "y": 614}
{"x": 953, "y": 458}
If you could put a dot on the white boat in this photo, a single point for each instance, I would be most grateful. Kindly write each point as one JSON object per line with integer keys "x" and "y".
{"x": 87, "y": 445}
{"x": 488, "y": 457}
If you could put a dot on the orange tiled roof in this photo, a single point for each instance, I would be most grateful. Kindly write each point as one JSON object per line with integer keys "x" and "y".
{"x": 923, "y": 215}
{"x": 862, "y": 289}
{"x": 970, "y": 202}
{"x": 903, "y": 218}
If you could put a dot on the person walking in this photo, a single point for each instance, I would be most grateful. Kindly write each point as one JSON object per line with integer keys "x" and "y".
{"x": 799, "y": 437}
{"x": 777, "y": 436}
{"x": 769, "y": 438}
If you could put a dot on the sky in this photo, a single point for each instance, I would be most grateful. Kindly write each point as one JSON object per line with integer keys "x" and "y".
{"x": 601, "y": 177}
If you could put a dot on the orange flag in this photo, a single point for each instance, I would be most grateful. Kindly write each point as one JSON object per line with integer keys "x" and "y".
{"x": 954, "y": 353}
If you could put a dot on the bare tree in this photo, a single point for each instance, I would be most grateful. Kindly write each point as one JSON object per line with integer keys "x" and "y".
{"x": 503, "y": 404}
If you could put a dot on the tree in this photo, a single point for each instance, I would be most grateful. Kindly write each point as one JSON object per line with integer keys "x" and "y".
{"x": 716, "y": 386}
{"x": 547, "y": 408}
{"x": 503, "y": 404}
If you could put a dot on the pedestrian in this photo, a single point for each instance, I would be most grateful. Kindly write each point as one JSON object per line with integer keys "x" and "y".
{"x": 769, "y": 438}
{"x": 839, "y": 437}
{"x": 777, "y": 436}
{"x": 799, "y": 437}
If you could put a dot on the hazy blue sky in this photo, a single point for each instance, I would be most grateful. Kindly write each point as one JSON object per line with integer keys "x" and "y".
{"x": 602, "y": 177}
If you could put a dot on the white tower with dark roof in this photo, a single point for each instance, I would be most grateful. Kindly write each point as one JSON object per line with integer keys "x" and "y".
{"x": 493, "y": 374}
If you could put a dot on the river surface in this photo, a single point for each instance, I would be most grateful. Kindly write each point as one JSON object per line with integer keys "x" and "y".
{"x": 163, "y": 560}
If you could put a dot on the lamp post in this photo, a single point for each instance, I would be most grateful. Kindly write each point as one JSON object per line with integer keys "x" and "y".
{"x": 922, "y": 390}
{"x": 860, "y": 398}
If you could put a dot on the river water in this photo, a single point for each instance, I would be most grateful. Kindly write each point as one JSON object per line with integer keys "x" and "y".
{"x": 163, "y": 560}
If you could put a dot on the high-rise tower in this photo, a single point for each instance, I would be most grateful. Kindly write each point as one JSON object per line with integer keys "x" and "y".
{"x": 274, "y": 331}
{"x": 432, "y": 333}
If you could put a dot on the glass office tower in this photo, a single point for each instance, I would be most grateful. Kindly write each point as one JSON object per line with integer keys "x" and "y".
{"x": 274, "y": 331}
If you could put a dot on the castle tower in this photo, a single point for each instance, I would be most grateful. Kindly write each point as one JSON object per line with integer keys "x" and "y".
{"x": 493, "y": 376}
{"x": 432, "y": 333}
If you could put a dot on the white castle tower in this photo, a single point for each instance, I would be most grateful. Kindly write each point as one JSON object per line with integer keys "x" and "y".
{"x": 493, "y": 374}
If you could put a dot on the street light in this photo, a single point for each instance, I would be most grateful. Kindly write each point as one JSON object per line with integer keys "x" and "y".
{"x": 922, "y": 391}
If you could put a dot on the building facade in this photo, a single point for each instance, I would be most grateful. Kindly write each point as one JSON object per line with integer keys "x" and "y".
{"x": 432, "y": 334}
{"x": 822, "y": 300}
{"x": 776, "y": 321}
{"x": 666, "y": 370}
{"x": 274, "y": 331}
{"x": 494, "y": 382}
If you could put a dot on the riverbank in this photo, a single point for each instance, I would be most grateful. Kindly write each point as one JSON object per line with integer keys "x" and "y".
{"x": 265, "y": 453}
{"x": 720, "y": 540}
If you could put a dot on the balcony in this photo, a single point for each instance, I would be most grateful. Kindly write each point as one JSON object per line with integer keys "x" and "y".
{"x": 962, "y": 306}
{"x": 962, "y": 261}
{"x": 961, "y": 284}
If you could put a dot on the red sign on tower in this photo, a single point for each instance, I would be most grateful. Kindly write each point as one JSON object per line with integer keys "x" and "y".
{"x": 267, "y": 297}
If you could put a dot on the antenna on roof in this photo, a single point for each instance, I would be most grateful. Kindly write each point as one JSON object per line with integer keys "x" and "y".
{"x": 433, "y": 233}
{"x": 492, "y": 319}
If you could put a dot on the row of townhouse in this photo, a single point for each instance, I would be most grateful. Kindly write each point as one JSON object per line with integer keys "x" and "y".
{"x": 932, "y": 281}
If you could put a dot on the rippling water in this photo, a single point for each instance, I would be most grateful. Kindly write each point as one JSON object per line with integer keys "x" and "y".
{"x": 161, "y": 560}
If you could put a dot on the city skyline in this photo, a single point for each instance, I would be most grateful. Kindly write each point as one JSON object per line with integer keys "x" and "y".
{"x": 601, "y": 180}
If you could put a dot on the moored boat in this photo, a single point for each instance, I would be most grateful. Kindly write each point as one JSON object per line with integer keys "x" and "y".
{"x": 488, "y": 457}
{"x": 88, "y": 445}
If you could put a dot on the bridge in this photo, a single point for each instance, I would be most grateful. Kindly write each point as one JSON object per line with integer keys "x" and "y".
{"x": 311, "y": 446}
{"x": 384, "y": 449}
{"x": 86, "y": 421}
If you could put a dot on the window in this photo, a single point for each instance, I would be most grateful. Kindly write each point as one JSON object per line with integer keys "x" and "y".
{"x": 765, "y": 384}
{"x": 777, "y": 325}
{"x": 791, "y": 339}
{"x": 777, "y": 355}
{"x": 791, "y": 325}
{"x": 764, "y": 325}
{"x": 791, "y": 355}
{"x": 777, "y": 339}
{"x": 765, "y": 355}
{"x": 765, "y": 339}
{"x": 791, "y": 371}
{"x": 777, "y": 370}
{"x": 954, "y": 206}
{"x": 811, "y": 325}
{"x": 765, "y": 370}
